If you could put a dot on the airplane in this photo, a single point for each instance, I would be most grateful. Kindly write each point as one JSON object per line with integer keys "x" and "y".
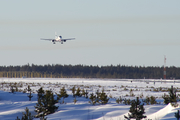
{"x": 58, "y": 39}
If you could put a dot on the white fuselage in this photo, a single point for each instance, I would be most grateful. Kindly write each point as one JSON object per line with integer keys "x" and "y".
{"x": 57, "y": 39}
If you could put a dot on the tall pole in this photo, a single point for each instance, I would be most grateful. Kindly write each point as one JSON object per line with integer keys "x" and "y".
{"x": 164, "y": 67}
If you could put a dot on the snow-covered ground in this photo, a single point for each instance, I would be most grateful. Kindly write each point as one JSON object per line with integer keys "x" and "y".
{"x": 12, "y": 105}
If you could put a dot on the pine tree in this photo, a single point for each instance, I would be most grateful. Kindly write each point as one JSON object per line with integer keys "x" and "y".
{"x": 17, "y": 118}
{"x": 43, "y": 117}
{"x": 119, "y": 100}
{"x": 63, "y": 94}
{"x": 98, "y": 96}
{"x": 177, "y": 115}
{"x": 92, "y": 98}
{"x": 83, "y": 93}
{"x": 97, "y": 93}
{"x": 49, "y": 103}
{"x": 39, "y": 108}
{"x": 29, "y": 89}
{"x": 166, "y": 98}
{"x": 153, "y": 100}
{"x": 40, "y": 93}
{"x": 29, "y": 94}
{"x": 73, "y": 91}
{"x": 78, "y": 92}
{"x": 12, "y": 89}
{"x": 103, "y": 97}
{"x": 27, "y": 115}
{"x": 46, "y": 103}
{"x": 171, "y": 98}
{"x": 172, "y": 95}
{"x": 86, "y": 94}
{"x": 136, "y": 110}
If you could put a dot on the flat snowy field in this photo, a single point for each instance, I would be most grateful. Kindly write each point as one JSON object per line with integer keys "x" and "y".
{"x": 12, "y": 105}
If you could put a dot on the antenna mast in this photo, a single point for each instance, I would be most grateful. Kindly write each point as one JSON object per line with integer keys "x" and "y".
{"x": 164, "y": 67}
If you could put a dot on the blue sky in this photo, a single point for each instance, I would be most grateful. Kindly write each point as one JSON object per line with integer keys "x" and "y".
{"x": 137, "y": 33}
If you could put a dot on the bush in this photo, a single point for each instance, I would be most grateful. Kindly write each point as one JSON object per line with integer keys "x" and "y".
{"x": 100, "y": 97}
{"x": 150, "y": 100}
{"x": 127, "y": 101}
{"x": 119, "y": 100}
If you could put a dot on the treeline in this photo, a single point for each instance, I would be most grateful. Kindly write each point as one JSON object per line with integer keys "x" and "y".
{"x": 85, "y": 71}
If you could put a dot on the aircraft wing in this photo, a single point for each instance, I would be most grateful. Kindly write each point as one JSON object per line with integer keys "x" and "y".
{"x": 46, "y": 39}
{"x": 67, "y": 39}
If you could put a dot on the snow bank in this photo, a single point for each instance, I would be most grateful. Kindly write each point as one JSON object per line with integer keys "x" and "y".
{"x": 161, "y": 112}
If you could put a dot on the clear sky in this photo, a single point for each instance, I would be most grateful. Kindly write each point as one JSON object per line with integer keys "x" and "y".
{"x": 126, "y": 32}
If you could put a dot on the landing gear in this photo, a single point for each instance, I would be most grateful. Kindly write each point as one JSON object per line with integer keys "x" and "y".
{"x": 54, "y": 43}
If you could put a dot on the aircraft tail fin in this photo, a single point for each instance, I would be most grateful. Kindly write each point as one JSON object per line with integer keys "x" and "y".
{"x": 56, "y": 35}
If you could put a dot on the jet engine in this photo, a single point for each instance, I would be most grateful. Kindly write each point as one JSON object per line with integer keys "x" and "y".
{"x": 53, "y": 41}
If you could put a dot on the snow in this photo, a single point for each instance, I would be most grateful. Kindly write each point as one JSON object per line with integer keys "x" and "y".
{"x": 12, "y": 105}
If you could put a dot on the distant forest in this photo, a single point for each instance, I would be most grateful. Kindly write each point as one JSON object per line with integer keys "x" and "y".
{"x": 85, "y": 71}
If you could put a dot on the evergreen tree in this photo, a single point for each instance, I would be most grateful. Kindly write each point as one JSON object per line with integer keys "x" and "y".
{"x": 103, "y": 97}
{"x": 17, "y": 118}
{"x": 26, "y": 116}
{"x": 29, "y": 89}
{"x": 78, "y": 92}
{"x": 136, "y": 110}
{"x": 166, "y": 98}
{"x": 86, "y": 94}
{"x": 153, "y": 100}
{"x": 172, "y": 95}
{"x": 40, "y": 93}
{"x": 39, "y": 108}
{"x": 92, "y": 98}
{"x": 119, "y": 100}
{"x": 83, "y": 93}
{"x": 49, "y": 103}
{"x": 177, "y": 115}
{"x": 171, "y": 98}
{"x": 150, "y": 100}
{"x": 46, "y": 104}
{"x": 98, "y": 96}
{"x": 73, "y": 91}
{"x": 43, "y": 117}
{"x": 12, "y": 89}
{"x": 97, "y": 93}
{"x": 29, "y": 94}
{"x": 62, "y": 94}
